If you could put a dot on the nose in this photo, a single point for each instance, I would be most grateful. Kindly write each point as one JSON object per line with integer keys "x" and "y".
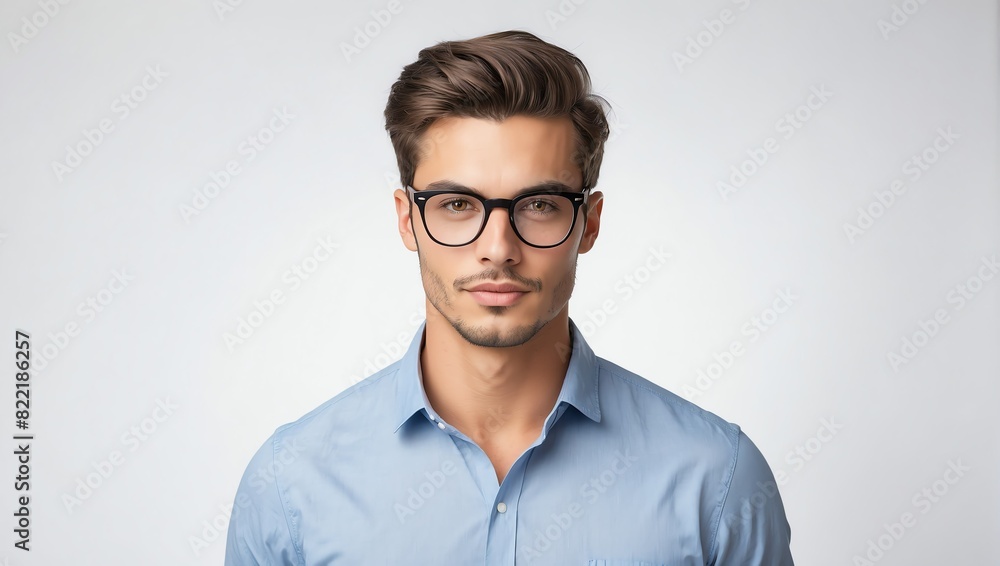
{"x": 498, "y": 243}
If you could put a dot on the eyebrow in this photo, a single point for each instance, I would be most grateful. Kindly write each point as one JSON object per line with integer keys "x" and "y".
{"x": 549, "y": 185}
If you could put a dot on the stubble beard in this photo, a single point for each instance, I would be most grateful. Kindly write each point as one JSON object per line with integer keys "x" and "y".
{"x": 437, "y": 294}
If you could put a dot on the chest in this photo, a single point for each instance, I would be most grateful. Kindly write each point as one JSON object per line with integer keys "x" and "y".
{"x": 559, "y": 509}
{"x": 503, "y": 452}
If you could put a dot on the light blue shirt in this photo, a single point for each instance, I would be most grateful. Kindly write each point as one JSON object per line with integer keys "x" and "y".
{"x": 624, "y": 472}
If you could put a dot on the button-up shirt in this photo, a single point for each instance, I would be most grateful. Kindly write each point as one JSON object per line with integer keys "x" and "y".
{"x": 623, "y": 472}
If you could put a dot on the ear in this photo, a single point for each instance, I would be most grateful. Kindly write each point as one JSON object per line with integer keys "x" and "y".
{"x": 405, "y": 221}
{"x": 593, "y": 222}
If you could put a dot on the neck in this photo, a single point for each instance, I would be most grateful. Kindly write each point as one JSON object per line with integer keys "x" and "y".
{"x": 494, "y": 394}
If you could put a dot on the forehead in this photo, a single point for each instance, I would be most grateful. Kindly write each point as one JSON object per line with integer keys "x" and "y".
{"x": 499, "y": 157}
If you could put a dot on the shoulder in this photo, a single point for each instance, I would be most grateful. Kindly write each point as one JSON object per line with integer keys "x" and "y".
{"x": 346, "y": 410}
{"x": 748, "y": 517}
{"x": 299, "y": 451}
{"x": 296, "y": 447}
{"x": 623, "y": 391}
{"x": 262, "y": 523}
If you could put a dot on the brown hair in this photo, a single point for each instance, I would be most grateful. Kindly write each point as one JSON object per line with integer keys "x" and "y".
{"x": 495, "y": 76}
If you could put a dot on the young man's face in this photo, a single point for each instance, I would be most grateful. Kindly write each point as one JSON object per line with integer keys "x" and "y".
{"x": 498, "y": 160}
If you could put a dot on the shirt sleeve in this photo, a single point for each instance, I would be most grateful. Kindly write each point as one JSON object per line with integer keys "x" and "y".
{"x": 259, "y": 532}
{"x": 752, "y": 528}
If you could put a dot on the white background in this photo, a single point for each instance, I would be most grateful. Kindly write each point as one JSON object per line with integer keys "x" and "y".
{"x": 678, "y": 129}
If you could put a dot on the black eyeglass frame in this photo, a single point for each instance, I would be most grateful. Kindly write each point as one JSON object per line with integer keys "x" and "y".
{"x": 421, "y": 197}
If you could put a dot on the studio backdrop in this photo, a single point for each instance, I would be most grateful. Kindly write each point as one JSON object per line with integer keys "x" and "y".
{"x": 198, "y": 244}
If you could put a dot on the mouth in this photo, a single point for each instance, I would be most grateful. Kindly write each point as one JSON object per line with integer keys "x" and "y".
{"x": 499, "y": 288}
{"x": 497, "y": 294}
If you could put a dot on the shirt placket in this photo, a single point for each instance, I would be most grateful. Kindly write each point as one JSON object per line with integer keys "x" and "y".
{"x": 501, "y": 539}
{"x": 500, "y": 501}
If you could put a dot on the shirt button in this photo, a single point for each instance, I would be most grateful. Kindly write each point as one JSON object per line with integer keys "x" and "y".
{"x": 440, "y": 425}
{"x": 502, "y": 507}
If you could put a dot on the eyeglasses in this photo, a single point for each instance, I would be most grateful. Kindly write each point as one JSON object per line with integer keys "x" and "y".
{"x": 541, "y": 219}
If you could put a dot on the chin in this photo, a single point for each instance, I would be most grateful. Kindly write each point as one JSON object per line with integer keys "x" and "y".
{"x": 498, "y": 331}
{"x": 494, "y": 338}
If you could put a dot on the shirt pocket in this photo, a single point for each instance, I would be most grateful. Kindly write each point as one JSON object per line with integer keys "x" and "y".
{"x": 623, "y": 563}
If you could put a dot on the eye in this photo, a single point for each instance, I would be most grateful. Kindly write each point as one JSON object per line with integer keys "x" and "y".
{"x": 540, "y": 206}
{"x": 456, "y": 205}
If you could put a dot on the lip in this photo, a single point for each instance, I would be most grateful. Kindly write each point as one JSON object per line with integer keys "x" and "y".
{"x": 497, "y": 294}
{"x": 494, "y": 299}
{"x": 499, "y": 288}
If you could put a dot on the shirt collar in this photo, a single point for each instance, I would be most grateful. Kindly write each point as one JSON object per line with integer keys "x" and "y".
{"x": 579, "y": 387}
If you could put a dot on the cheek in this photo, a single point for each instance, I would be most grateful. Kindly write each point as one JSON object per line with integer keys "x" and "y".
{"x": 561, "y": 287}
{"x": 440, "y": 266}
{"x": 560, "y": 268}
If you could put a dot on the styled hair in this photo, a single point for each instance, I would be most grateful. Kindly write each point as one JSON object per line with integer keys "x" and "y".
{"x": 495, "y": 76}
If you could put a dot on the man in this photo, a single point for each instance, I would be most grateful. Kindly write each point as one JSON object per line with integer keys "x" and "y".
{"x": 499, "y": 437}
